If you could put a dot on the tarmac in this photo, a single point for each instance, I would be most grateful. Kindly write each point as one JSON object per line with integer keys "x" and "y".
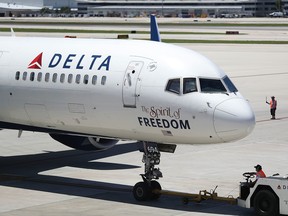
{"x": 251, "y": 29}
{"x": 39, "y": 176}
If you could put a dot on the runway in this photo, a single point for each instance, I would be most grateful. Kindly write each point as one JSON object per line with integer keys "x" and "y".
{"x": 39, "y": 176}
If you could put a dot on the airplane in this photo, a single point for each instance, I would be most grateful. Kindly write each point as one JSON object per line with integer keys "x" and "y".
{"x": 90, "y": 93}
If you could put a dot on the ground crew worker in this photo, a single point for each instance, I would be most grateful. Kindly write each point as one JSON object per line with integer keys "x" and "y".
{"x": 259, "y": 172}
{"x": 273, "y": 106}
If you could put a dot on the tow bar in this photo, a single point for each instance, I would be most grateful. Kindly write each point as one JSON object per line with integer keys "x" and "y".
{"x": 201, "y": 196}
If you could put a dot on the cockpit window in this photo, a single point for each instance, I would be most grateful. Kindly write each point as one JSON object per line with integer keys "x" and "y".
{"x": 189, "y": 85}
{"x": 231, "y": 87}
{"x": 212, "y": 86}
{"x": 173, "y": 86}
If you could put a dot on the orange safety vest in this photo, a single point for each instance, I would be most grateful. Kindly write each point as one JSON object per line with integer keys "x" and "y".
{"x": 273, "y": 104}
{"x": 260, "y": 174}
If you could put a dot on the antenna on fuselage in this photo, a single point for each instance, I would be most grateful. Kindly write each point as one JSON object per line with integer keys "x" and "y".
{"x": 154, "y": 31}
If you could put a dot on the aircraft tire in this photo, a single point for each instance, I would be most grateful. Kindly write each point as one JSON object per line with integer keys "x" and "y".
{"x": 142, "y": 191}
{"x": 155, "y": 185}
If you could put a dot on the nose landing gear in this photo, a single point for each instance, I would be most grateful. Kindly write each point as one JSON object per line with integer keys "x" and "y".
{"x": 147, "y": 189}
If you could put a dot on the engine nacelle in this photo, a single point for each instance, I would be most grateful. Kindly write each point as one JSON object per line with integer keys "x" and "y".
{"x": 84, "y": 143}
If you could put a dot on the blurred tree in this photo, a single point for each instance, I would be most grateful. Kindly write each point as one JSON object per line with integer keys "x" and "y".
{"x": 65, "y": 10}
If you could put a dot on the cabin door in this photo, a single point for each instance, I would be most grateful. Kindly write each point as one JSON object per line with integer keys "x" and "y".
{"x": 131, "y": 83}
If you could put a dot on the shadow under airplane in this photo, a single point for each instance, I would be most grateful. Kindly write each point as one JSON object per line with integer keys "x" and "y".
{"x": 23, "y": 172}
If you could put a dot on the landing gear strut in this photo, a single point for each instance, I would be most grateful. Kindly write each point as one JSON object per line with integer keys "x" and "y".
{"x": 147, "y": 189}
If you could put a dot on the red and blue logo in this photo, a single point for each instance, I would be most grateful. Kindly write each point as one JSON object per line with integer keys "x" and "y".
{"x": 73, "y": 61}
{"x": 36, "y": 63}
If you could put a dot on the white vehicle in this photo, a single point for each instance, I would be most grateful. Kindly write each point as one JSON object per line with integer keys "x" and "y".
{"x": 276, "y": 14}
{"x": 269, "y": 196}
{"x": 89, "y": 93}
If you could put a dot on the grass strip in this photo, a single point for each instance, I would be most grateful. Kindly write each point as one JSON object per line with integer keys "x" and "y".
{"x": 223, "y": 41}
{"x": 44, "y": 30}
{"x": 123, "y": 23}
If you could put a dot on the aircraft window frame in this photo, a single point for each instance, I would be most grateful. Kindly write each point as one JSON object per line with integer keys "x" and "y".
{"x": 54, "y": 77}
{"x": 187, "y": 90}
{"x": 47, "y": 77}
{"x": 62, "y": 78}
{"x": 78, "y": 78}
{"x": 39, "y": 77}
{"x": 70, "y": 78}
{"x": 94, "y": 80}
{"x": 24, "y": 75}
{"x": 32, "y": 76}
{"x": 17, "y": 75}
{"x": 86, "y": 79}
{"x": 229, "y": 84}
{"x": 208, "y": 88}
{"x": 103, "y": 80}
{"x": 176, "y": 86}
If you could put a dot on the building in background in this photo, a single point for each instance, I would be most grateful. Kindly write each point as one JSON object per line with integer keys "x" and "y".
{"x": 33, "y": 7}
{"x": 10, "y": 7}
{"x": 136, "y": 8}
{"x": 183, "y": 8}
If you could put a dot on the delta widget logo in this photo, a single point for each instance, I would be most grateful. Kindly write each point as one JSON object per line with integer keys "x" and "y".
{"x": 36, "y": 63}
{"x": 73, "y": 61}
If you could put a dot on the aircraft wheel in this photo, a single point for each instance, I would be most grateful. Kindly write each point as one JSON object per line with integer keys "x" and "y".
{"x": 157, "y": 186}
{"x": 266, "y": 203}
{"x": 142, "y": 191}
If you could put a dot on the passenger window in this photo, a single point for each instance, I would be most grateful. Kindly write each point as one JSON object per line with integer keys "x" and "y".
{"x": 24, "y": 75}
{"x": 78, "y": 77}
{"x": 39, "y": 77}
{"x": 17, "y": 75}
{"x": 189, "y": 85}
{"x": 70, "y": 78}
{"x": 212, "y": 86}
{"x": 86, "y": 78}
{"x": 94, "y": 80}
{"x": 62, "y": 78}
{"x": 47, "y": 77}
{"x": 54, "y": 77}
{"x": 173, "y": 86}
{"x": 103, "y": 80}
{"x": 32, "y": 76}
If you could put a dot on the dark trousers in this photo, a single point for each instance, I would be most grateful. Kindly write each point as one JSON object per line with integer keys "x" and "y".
{"x": 272, "y": 111}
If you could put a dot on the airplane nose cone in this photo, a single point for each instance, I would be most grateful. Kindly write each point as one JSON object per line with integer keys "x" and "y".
{"x": 233, "y": 119}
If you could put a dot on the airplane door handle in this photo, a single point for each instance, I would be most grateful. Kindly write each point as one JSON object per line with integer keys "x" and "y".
{"x": 129, "y": 79}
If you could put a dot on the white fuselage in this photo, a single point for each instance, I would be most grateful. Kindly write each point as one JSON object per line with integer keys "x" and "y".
{"x": 118, "y": 89}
